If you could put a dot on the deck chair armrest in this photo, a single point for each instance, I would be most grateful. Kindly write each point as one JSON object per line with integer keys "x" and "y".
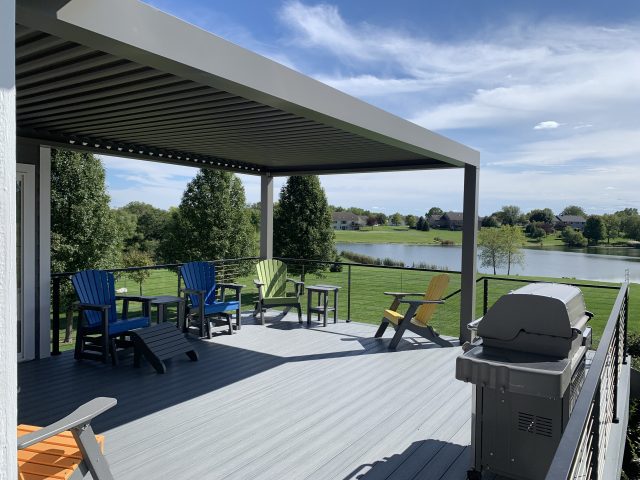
{"x": 402, "y": 294}
{"x": 134, "y": 298}
{"x": 91, "y": 306}
{"x": 473, "y": 326}
{"x": 235, "y": 286}
{"x": 258, "y": 283}
{"x": 421, "y": 302}
{"x": 298, "y": 285}
{"x": 78, "y": 418}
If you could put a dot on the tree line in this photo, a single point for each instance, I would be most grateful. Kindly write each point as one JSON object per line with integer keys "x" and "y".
{"x": 212, "y": 221}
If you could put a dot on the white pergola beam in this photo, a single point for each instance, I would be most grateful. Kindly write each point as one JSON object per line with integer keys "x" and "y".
{"x": 8, "y": 280}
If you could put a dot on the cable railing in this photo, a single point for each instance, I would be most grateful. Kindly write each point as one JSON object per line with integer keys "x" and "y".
{"x": 581, "y": 451}
{"x": 361, "y": 289}
{"x": 586, "y": 440}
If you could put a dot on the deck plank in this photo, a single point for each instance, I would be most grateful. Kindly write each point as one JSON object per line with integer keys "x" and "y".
{"x": 281, "y": 401}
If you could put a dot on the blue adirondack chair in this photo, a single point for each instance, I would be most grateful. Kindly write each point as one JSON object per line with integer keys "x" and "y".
{"x": 100, "y": 331}
{"x": 202, "y": 299}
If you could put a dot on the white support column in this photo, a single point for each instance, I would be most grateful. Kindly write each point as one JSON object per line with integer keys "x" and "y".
{"x": 44, "y": 246}
{"x": 8, "y": 280}
{"x": 469, "y": 250}
{"x": 266, "y": 216}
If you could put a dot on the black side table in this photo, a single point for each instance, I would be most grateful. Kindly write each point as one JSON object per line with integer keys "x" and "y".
{"x": 162, "y": 302}
{"x": 322, "y": 306}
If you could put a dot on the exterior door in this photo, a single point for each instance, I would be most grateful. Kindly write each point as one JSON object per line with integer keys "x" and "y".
{"x": 25, "y": 258}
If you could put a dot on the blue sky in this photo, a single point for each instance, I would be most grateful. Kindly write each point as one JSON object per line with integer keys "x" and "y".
{"x": 547, "y": 91}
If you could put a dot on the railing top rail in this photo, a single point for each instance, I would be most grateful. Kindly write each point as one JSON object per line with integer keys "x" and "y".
{"x": 562, "y": 463}
{"x": 355, "y": 264}
{"x": 156, "y": 267}
{"x": 559, "y": 280}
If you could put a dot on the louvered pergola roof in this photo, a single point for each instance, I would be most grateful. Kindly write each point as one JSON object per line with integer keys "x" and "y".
{"x": 123, "y": 78}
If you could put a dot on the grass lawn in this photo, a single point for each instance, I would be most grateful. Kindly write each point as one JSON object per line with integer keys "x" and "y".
{"x": 368, "y": 301}
{"x": 388, "y": 234}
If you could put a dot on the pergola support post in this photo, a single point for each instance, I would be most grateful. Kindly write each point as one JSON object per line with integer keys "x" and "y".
{"x": 266, "y": 216}
{"x": 469, "y": 250}
{"x": 8, "y": 280}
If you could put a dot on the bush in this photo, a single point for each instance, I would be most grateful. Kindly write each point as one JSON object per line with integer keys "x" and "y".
{"x": 631, "y": 463}
{"x": 534, "y": 230}
{"x": 447, "y": 242}
{"x": 573, "y": 238}
{"x": 428, "y": 266}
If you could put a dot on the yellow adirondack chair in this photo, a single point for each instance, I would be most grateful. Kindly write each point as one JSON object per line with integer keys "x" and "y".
{"x": 272, "y": 288}
{"x": 418, "y": 315}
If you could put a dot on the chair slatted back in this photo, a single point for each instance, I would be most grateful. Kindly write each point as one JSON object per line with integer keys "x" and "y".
{"x": 435, "y": 291}
{"x": 273, "y": 273}
{"x": 96, "y": 287}
{"x": 200, "y": 276}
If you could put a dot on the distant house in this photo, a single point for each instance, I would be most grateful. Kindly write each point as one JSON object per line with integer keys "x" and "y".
{"x": 575, "y": 221}
{"x": 435, "y": 221}
{"x": 347, "y": 221}
{"x": 449, "y": 221}
{"x": 452, "y": 220}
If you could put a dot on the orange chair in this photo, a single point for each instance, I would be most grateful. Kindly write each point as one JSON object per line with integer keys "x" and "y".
{"x": 66, "y": 449}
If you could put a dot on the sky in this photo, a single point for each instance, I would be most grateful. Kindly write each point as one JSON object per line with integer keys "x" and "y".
{"x": 547, "y": 91}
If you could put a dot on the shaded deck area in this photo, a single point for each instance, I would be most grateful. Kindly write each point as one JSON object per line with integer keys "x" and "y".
{"x": 280, "y": 401}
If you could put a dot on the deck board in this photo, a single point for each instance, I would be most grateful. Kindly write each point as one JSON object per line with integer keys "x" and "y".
{"x": 281, "y": 401}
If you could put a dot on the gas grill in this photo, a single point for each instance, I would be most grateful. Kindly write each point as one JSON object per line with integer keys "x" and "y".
{"x": 527, "y": 367}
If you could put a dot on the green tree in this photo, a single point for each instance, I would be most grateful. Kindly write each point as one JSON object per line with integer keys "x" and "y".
{"x": 509, "y": 215}
{"x": 573, "y": 238}
{"x": 302, "y": 221}
{"x": 137, "y": 258}
{"x": 411, "y": 221}
{"x": 544, "y": 215}
{"x": 612, "y": 226}
{"x": 420, "y": 223}
{"x": 84, "y": 233}
{"x": 254, "y": 215}
{"x": 512, "y": 241}
{"x": 491, "y": 251}
{"x": 381, "y": 218}
{"x": 127, "y": 226}
{"x": 396, "y": 219}
{"x": 573, "y": 210}
{"x": 594, "y": 229}
{"x": 434, "y": 211}
{"x": 211, "y": 221}
{"x": 151, "y": 225}
{"x": 490, "y": 221}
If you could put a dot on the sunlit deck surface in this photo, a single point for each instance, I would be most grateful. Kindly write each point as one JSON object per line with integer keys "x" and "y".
{"x": 274, "y": 402}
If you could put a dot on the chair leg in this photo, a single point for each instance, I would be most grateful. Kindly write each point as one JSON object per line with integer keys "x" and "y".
{"x": 114, "y": 352}
{"x": 79, "y": 339}
{"x": 238, "y": 320}
{"x": 105, "y": 348}
{"x": 397, "y": 336}
{"x": 209, "y": 332}
{"x": 229, "y": 323}
{"x": 430, "y": 334}
{"x": 256, "y": 310}
{"x": 382, "y": 328}
{"x": 299, "y": 307}
{"x": 261, "y": 315}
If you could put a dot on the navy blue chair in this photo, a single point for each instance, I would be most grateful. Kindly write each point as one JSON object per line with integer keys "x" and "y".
{"x": 100, "y": 331}
{"x": 206, "y": 299}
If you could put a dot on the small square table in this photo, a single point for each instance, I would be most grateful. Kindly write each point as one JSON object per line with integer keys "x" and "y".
{"x": 322, "y": 307}
{"x": 162, "y": 302}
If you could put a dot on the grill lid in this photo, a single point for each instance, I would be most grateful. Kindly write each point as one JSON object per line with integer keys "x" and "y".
{"x": 550, "y": 309}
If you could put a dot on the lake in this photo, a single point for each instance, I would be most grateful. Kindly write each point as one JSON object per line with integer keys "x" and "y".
{"x": 609, "y": 264}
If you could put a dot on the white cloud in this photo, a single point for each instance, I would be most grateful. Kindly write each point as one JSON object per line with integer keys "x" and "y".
{"x": 549, "y": 124}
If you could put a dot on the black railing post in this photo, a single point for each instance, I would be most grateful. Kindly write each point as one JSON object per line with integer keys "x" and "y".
{"x": 349, "y": 294}
{"x": 485, "y": 296}
{"x": 179, "y": 281}
{"x": 55, "y": 350}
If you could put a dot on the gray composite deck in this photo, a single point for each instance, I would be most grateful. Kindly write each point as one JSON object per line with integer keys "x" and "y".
{"x": 273, "y": 402}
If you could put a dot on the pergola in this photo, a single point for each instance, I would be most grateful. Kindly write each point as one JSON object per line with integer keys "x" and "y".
{"x": 121, "y": 78}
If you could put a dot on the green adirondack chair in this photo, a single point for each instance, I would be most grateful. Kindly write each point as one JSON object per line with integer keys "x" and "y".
{"x": 272, "y": 289}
